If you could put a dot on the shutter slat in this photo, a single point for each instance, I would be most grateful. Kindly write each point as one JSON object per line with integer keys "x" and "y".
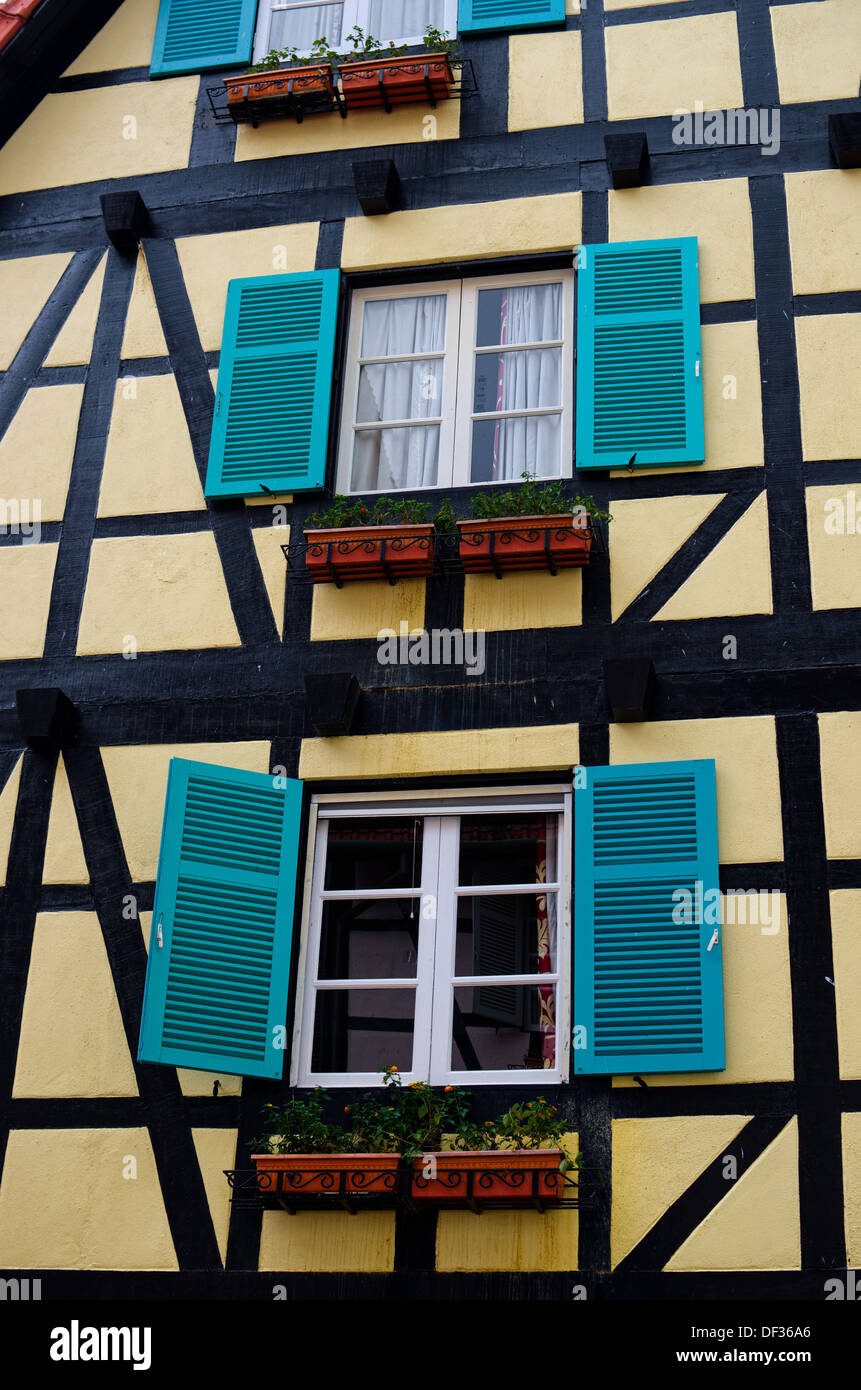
{"x": 646, "y": 989}
{"x": 271, "y": 424}
{"x": 198, "y": 35}
{"x": 639, "y": 377}
{"x": 485, "y": 16}
{"x": 217, "y": 988}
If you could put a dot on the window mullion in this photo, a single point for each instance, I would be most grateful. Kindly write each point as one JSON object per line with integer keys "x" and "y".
{"x": 446, "y": 940}
{"x": 426, "y": 948}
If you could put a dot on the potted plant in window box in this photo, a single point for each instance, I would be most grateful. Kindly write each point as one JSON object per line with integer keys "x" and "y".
{"x": 383, "y": 75}
{"x": 534, "y": 527}
{"x": 302, "y": 1153}
{"x": 517, "y": 1155}
{"x": 388, "y": 539}
{"x": 284, "y": 75}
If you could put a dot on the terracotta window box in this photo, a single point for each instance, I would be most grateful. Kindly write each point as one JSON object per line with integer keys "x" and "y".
{"x": 523, "y": 543}
{"x": 488, "y": 1175}
{"x": 370, "y": 552}
{"x": 308, "y": 89}
{"x": 335, "y": 1174}
{"x": 395, "y": 81}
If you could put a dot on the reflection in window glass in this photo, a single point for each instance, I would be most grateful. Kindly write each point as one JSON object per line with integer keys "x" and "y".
{"x": 504, "y": 1028}
{"x": 363, "y": 1030}
{"x": 364, "y": 853}
{"x": 369, "y": 940}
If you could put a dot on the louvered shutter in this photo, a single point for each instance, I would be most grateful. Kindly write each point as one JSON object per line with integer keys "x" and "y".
{"x": 196, "y": 35}
{"x": 498, "y": 948}
{"x": 484, "y": 16}
{"x": 219, "y": 951}
{"x": 648, "y": 985}
{"x": 639, "y": 356}
{"x": 271, "y": 424}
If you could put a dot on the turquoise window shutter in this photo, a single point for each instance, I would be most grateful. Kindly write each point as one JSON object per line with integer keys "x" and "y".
{"x": 648, "y": 985}
{"x": 485, "y": 16}
{"x": 196, "y": 35}
{"x": 639, "y": 355}
{"x": 271, "y": 424}
{"x": 222, "y": 923}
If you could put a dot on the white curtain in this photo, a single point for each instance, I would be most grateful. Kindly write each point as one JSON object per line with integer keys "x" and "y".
{"x": 408, "y": 456}
{"x": 299, "y": 28}
{"x": 404, "y": 19}
{"x": 524, "y": 380}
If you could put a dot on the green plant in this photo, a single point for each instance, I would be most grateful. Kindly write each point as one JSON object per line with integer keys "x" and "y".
{"x": 407, "y": 1119}
{"x": 533, "y": 497}
{"x": 298, "y": 1127}
{"x": 532, "y": 1124}
{"x": 361, "y": 47}
{"x": 444, "y": 520}
{"x": 353, "y": 511}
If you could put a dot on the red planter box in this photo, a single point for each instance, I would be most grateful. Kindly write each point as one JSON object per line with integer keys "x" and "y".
{"x": 370, "y": 552}
{"x": 497, "y": 1174}
{"x": 274, "y": 85}
{"x": 302, "y": 1173}
{"x": 523, "y": 543}
{"x": 396, "y": 80}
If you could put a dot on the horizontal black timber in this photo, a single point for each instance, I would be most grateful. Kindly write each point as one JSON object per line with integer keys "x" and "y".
{"x": 777, "y": 1098}
{"x": 115, "y": 1112}
{"x": 840, "y": 302}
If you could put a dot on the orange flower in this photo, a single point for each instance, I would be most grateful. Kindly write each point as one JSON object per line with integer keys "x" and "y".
{"x": 448, "y": 1088}
{"x": 346, "y": 1109}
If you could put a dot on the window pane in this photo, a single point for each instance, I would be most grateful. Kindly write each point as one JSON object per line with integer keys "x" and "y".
{"x": 392, "y": 327}
{"x": 405, "y": 457}
{"x": 502, "y": 450}
{"x": 507, "y": 849}
{"x": 363, "y": 1030}
{"x": 506, "y": 935}
{"x": 504, "y": 1027}
{"x": 517, "y": 380}
{"x": 400, "y": 390}
{"x": 404, "y": 19}
{"x": 365, "y": 853}
{"x": 519, "y": 314}
{"x": 299, "y": 28}
{"x": 369, "y": 941}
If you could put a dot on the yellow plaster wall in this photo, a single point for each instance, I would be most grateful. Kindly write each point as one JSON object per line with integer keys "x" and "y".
{"x": 664, "y": 66}
{"x": 125, "y": 41}
{"x": 835, "y": 559}
{"x": 328, "y": 1242}
{"x": 72, "y": 1038}
{"x": 655, "y": 1160}
{"x": 166, "y": 592}
{"x": 846, "y": 944}
{"x": 757, "y": 1007}
{"x": 519, "y": 601}
{"x": 209, "y": 262}
{"x": 74, "y": 342}
{"x": 840, "y": 760}
{"x": 826, "y": 343}
{"x": 735, "y": 576}
{"x": 365, "y": 608}
{"x": 818, "y": 49}
{"x": 756, "y": 1225}
{"x": 95, "y": 1218}
{"x": 25, "y": 285}
{"x": 645, "y": 534}
{"x": 545, "y": 86}
{"x": 8, "y": 804}
{"x": 824, "y": 208}
{"x": 36, "y": 451}
{"x": 143, "y": 335}
{"x": 717, "y": 213}
{"x": 149, "y": 462}
{"x": 77, "y": 137}
{"x": 216, "y": 1150}
{"x": 535, "y": 749}
{"x": 137, "y": 777}
{"x": 852, "y": 1187}
{"x": 404, "y": 125}
{"x": 64, "y": 852}
{"x": 26, "y": 576}
{"x": 748, "y": 789}
{"x": 515, "y": 225}
{"x": 268, "y": 541}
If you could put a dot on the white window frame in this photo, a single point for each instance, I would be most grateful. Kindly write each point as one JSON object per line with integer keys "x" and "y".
{"x": 434, "y": 981}
{"x": 457, "y": 414}
{"x": 355, "y": 12}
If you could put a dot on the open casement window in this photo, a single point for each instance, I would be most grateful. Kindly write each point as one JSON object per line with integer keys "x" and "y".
{"x": 270, "y": 430}
{"x": 198, "y": 35}
{"x": 287, "y": 24}
{"x": 485, "y": 16}
{"x": 219, "y": 951}
{"x": 639, "y": 356}
{"x": 458, "y": 382}
{"x": 648, "y": 984}
{"x": 437, "y": 939}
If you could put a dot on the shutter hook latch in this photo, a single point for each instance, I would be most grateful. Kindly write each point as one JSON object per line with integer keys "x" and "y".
{"x": 714, "y": 940}
{"x": 159, "y": 934}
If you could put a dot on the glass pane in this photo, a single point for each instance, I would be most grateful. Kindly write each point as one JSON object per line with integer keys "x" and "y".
{"x": 399, "y": 391}
{"x": 506, "y": 935}
{"x": 398, "y": 458}
{"x": 520, "y": 314}
{"x": 366, "y": 853}
{"x": 370, "y": 941}
{"x": 507, "y": 849}
{"x": 299, "y": 28}
{"x": 363, "y": 1030}
{"x": 392, "y": 327}
{"x": 517, "y": 380}
{"x": 504, "y": 1028}
{"x": 404, "y": 19}
{"x": 502, "y": 450}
